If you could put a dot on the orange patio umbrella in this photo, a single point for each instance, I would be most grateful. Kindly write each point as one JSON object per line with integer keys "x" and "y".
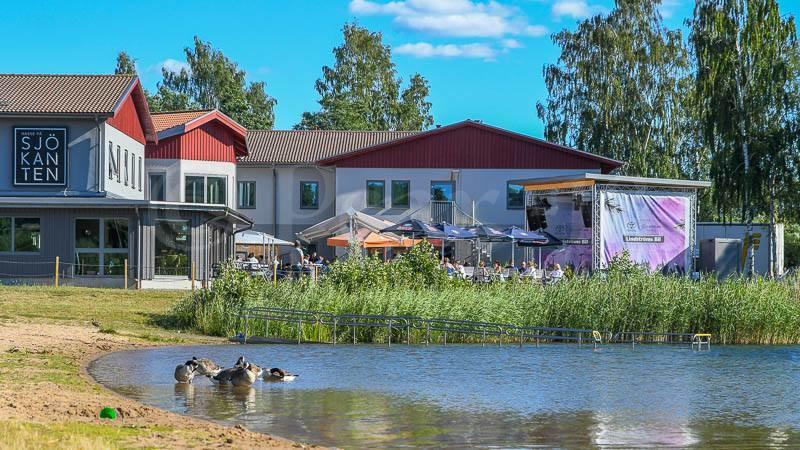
{"x": 370, "y": 239}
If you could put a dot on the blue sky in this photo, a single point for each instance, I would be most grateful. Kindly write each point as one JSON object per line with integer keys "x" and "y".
{"x": 483, "y": 58}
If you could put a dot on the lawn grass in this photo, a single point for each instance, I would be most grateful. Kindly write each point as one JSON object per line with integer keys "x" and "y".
{"x": 138, "y": 315}
{"x": 142, "y": 314}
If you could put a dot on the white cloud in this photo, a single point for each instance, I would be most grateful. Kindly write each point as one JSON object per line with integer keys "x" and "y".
{"x": 668, "y": 7}
{"x": 510, "y": 43}
{"x": 427, "y": 50}
{"x": 576, "y": 9}
{"x": 455, "y": 18}
{"x": 173, "y": 65}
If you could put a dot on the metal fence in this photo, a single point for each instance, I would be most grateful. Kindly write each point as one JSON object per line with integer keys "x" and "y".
{"x": 404, "y": 329}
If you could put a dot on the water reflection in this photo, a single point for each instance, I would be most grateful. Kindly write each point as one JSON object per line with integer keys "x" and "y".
{"x": 552, "y": 396}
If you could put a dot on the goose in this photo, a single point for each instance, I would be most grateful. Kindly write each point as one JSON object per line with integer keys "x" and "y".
{"x": 226, "y": 375}
{"x": 184, "y": 373}
{"x": 276, "y": 374}
{"x": 207, "y": 367}
{"x": 245, "y": 376}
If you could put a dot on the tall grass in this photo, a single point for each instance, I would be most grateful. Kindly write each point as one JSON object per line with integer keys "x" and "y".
{"x": 735, "y": 311}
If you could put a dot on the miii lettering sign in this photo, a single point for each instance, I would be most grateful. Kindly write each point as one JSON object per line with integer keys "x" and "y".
{"x": 40, "y": 156}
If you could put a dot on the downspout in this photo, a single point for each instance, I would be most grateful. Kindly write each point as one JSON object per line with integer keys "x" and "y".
{"x": 100, "y": 180}
{"x": 139, "y": 252}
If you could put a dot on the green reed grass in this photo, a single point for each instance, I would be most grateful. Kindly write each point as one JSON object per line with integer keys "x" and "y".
{"x": 735, "y": 311}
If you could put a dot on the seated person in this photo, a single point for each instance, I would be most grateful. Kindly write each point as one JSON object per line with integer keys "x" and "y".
{"x": 557, "y": 273}
{"x": 497, "y": 268}
{"x": 460, "y": 269}
{"x": 447, "y": 265}
{"x": 481, "y": 273}
{"x": 251, "y": 258}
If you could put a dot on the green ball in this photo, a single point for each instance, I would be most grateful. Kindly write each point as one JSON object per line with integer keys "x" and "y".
{"x": 108, "y": 413}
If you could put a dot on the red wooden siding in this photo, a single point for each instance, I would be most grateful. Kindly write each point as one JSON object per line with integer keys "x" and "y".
{"x": 471, "y": 146}
{"x": 127, "y": 120}
{"x": 209, "y": 142}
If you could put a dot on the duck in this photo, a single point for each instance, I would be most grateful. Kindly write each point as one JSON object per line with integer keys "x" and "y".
{"x": 206, "y": 367}
{"x": 276, "y": 374}
{"x": 184, "y": 373}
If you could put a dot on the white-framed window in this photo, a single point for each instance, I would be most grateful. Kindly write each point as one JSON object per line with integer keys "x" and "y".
{"x": 20, "y": 235}
{"x": 205, "y": 189}
{"x": 101, "y": 246}
{"x": 133, "y": 170}
{"x": 376, "y": 193}
{"x": 119, "y": 163}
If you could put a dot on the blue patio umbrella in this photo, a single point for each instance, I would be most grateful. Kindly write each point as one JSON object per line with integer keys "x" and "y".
{"x": 415, "y": 228}
{"x": 453, "y": 232}
{"x": 489, "y": 234}
{"x": 520, "y": 236}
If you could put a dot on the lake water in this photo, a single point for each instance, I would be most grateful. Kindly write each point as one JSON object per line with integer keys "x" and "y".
{"x": 501, "y": 397}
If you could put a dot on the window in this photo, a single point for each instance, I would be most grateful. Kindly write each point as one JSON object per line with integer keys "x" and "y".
{"x": 125, "y": 166}
{"x": 247, "y": 194}
{"x": 216, "y": 190}
{"x": 101, "y": 246}
{"x": 201, "y": 189}
{"x": 20, "y": 235}
{"x": 157, "y": 182}
{"x": 119, "y": 161}
{"x": 133, "y": 170}
{"x": 195, "y": 189}
{"x": 401, "y": 194}
{"x": 113, "y": 164}
{"x": 309, "y": 195}
{"x": 5, "y": 234}
{"x": 376, "y": 193}
{"x": 173, "y": 247}
{"x": 27, "y": 235}
{"x": 442, "y": 191}
{"x": 141, "y": 176}
{"x": 515, "y": 196}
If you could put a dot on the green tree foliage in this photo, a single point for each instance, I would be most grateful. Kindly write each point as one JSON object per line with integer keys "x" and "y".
{"x": 363, "y": 92}
{"x": 212, "y": 80}
{"x": 747, "y": 85}
{"x": 617, "y": 90}
{"x": 125, "y": 64}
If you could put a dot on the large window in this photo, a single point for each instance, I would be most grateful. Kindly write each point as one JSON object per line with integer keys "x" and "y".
{"x": 101, "y": 246}
{"x": 173, "y": 244}
{"x": 515, "y": 196}
{"x": 401, "y": 194}
{"x": 442, "y": 191}
{"x": 216, "y": 190}
{"x": 195, "y": 190}
{"x": 157, "y": 186}
{"x": 20, "y": 235}
{"x": 309, "y": 195}
{"x": 376, "y": 193}
{"x": 202, "y": 189}
{"x": 247, "y": 194}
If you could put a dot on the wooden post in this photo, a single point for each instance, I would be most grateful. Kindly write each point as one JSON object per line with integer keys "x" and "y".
{"x": 193, "y": 275}
{"x": 57, "y": 264}
{"x": 275, "y": 273}
{"x": 126, "y": 274}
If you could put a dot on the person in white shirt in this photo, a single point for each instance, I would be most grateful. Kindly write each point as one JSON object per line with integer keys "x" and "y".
{"x": 557, "y": 273}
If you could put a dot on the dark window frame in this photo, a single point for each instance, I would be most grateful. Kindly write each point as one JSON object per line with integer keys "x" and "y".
{"x": 13, "y": 236}
{"x": 239, "y": 203}
{"x": 102, "y": 250}
{"x": 316, "y": 196}
{"x": 408, "y": 194}
{"x": 508, "y": 196}
{"x": 383, "y": 194}
{"x": 163, "y": 176}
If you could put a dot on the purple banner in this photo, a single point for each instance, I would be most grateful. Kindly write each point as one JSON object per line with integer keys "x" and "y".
{"x": 651, "y": 227}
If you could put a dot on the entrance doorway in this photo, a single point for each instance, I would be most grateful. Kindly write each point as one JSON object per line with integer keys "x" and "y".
{"x": 173, "y": 248}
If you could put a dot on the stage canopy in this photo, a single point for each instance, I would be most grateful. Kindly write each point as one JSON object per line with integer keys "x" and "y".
{"x": 596, "y": 217}
{"x": 347, "y": 221}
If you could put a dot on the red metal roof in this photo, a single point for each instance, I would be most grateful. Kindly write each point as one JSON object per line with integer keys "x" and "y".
{"x": 472, "y": 145}
{"x": 204, "y": 135}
